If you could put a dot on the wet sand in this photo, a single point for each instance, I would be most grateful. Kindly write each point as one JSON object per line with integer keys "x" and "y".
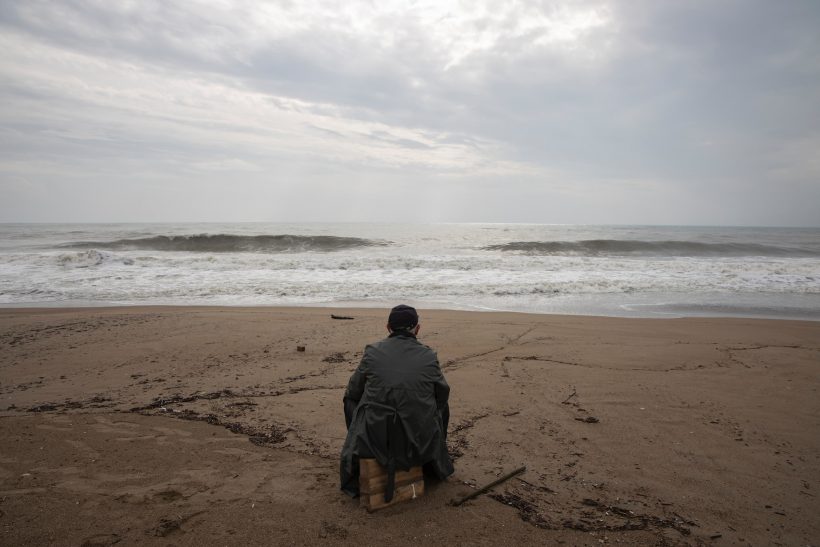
{"x": 206, "y": 426}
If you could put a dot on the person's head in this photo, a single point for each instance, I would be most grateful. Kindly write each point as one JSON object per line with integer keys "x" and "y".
{"x": 403, "y": 318}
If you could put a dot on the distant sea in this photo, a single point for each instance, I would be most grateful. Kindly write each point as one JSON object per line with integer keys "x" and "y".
{"x": 632, "y": 271}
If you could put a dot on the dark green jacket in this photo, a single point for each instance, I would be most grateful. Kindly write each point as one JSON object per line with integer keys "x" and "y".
{"x": 396, "y": 410}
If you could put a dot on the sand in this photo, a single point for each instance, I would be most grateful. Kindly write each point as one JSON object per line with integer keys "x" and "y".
{"x": 206, "y": 426}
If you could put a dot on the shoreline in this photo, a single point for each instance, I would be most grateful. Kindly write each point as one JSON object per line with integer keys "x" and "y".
{"x": 149, "y": 424}
{"x": 73, "y": 307}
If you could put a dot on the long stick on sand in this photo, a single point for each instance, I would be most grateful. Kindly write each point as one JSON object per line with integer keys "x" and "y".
{"x": 496, "y": 482}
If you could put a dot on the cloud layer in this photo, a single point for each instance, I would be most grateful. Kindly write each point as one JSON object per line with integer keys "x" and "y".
{"x": 576, "y": 112}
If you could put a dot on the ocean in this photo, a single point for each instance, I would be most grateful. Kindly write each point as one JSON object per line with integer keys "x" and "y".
{"x": 627, "y": 271}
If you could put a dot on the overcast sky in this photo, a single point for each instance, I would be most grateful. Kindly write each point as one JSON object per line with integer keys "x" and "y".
{"x": 632, "y": 112}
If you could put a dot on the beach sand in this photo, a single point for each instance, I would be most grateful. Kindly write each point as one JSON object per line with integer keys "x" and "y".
{"x": 206, "y": 426}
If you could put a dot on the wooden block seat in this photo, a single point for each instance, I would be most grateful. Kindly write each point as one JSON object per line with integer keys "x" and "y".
{"x": 373, "y": 480}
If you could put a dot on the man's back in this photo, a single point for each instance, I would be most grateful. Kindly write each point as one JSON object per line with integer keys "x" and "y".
{"x": 396, "y": 409}
{"x": 399, "y": 371}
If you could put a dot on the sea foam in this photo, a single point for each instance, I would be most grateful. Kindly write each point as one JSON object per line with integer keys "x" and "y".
{"x": 605, "y": 270}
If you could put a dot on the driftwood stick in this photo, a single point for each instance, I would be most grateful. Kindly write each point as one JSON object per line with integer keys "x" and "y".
{"x": 571, "y": 395}
{"x": 496, "y": 482}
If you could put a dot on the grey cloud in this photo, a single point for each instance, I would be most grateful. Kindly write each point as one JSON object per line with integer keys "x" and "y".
{"x": 384, "y": 136}
{"x": 697, "y": 96}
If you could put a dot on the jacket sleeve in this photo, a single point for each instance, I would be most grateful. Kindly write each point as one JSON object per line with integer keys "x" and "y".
{"x": 442, "y": 393}
{"x": 355, "y": 386}
{"x": 355, "y": 390}
{"x": 441, "y": 387}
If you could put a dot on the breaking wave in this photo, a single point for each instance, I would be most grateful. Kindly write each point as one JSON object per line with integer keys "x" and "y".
{"x": 618, "y": 247}
{"x": 227, "y": 243}
{"x": 89, "y": 258}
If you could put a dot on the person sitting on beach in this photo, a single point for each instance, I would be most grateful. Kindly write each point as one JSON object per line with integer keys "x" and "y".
{"x": 396, "y": 406}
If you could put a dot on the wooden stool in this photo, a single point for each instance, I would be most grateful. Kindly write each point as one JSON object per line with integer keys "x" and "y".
{"x": 373, "y": 480}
